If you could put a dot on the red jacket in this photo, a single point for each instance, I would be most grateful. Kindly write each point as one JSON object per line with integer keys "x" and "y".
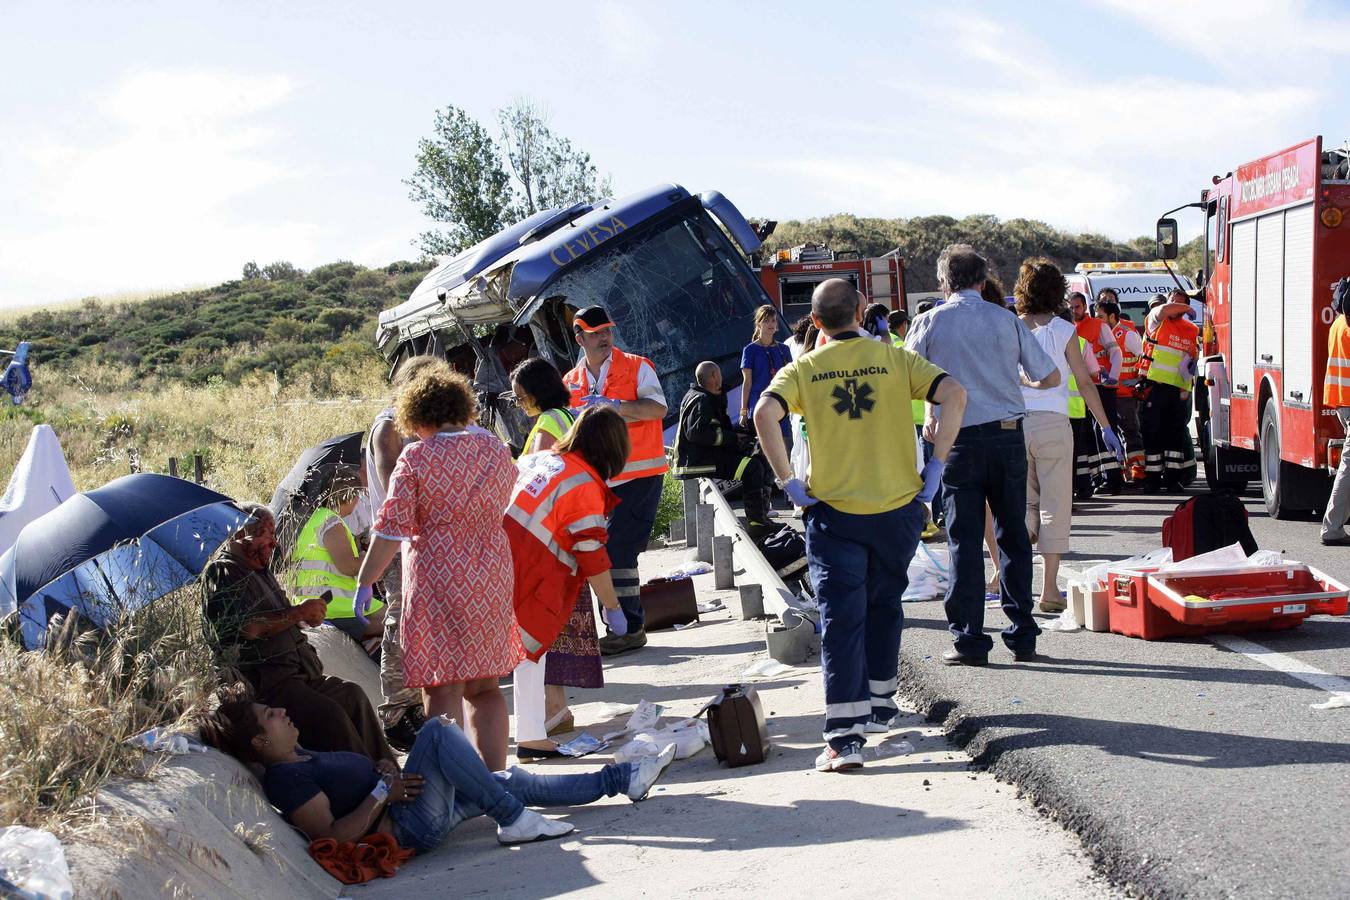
{"x": 557, "y": 526}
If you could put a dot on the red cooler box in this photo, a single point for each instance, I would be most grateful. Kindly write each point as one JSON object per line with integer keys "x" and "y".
{"x": 1153, "y": 606}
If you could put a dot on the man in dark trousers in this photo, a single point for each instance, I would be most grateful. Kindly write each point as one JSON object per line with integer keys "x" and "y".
{"x": 706, "y": 445}
{"x": 992, "y": 354}
{"x": 863, "y": 500}
{"x": 252, "y": 616}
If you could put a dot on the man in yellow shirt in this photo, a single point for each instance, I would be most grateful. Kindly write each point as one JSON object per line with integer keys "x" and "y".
{"x": 863, "y": 496}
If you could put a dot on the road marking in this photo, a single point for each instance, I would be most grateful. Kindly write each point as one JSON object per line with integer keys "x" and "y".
{"x": 1282, "y": 662}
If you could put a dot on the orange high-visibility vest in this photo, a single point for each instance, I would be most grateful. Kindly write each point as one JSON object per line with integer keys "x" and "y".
{"x": 556, "y": 525}
{"x": 1336, "y": 386}
{"x": 1129, "y": 362}
{"x": 648, "y": 454}
{"x": 1171, "y": 351}
{"x": 1090, "y": 330}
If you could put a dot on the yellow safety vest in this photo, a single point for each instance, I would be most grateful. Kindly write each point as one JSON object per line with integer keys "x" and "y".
{"x": 551, "y": 421}
{"x": 1173, "y": 349}
{"x": 315, "y": 571}
{"x": 1077, "y": 408}
{"x": 915, "y": 406}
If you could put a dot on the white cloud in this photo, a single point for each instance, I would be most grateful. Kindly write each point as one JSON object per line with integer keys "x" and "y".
{"x": 141, "y": 193}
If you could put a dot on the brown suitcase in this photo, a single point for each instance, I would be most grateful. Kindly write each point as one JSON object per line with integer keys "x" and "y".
{"x": 667, "y": 602}
{"x": 740, "y": 736}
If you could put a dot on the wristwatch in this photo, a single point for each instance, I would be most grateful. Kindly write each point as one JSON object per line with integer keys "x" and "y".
{"x": 781, "y": 483}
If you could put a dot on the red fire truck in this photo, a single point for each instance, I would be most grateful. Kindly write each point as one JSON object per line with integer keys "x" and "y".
{"x": 1274, "y": 245}
{"x": 793, "y": 274}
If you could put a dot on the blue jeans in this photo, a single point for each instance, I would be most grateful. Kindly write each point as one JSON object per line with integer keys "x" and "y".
{"x": 630, "y": 525}
{"x": 988, "y": 464}
{"x": 458, "y": 786}
{"x": 859, "y": 565}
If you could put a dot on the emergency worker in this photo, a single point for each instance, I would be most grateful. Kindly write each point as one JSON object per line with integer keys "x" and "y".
{"x": 707, "y": 446}
{"x": 626, "y": 382}
{"x": 863, "y": 498}
{"x": 1336, "y": 395}
{"x": 1127, "y": 405}
{"x": 556, "y": 526}
{"x": 1164, "y": 417}
{"x": 1102, "y": 344}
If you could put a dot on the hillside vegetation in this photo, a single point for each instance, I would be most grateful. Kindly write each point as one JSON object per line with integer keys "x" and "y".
{"x": 277, "y": 320}
{"x": 922, "y": 238}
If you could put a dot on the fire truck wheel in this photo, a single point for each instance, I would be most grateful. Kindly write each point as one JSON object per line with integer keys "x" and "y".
{"x": 1276, "y": 476}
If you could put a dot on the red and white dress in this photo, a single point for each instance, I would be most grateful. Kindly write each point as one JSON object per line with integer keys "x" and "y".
{"x": 446, "y": 498}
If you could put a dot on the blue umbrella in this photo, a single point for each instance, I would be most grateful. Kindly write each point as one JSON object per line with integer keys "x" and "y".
{"x": 113, "y": 550}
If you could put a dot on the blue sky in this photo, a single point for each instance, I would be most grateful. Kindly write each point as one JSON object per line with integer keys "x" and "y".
{"x": 160, "y": 144}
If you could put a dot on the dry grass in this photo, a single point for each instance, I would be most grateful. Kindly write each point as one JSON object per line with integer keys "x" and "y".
{"x": 127, "y": 295}
{"x": 66, "y": 714}
{"x": 248, "y": 434}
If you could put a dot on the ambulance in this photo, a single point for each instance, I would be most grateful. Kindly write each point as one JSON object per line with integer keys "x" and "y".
{"x": 1135, "y": 283}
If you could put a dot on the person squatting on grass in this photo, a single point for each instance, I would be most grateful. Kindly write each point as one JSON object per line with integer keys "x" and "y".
{"x": 864, "y": 499}
{"x": 346, "y": 796}
{"x": 252, "y": 617}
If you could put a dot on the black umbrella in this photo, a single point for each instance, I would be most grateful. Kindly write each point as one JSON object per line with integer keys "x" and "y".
{"x": 113, "y": 550}
{"x": 296, "y": 498}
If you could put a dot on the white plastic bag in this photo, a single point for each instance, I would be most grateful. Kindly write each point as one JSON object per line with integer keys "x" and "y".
{"x": 1065, "y": 622}
{"x": 688, "y": 735}
{"x": 1232, "y": 556}
{"x": 34, "y": 861}
{"x": 929, "y": 573}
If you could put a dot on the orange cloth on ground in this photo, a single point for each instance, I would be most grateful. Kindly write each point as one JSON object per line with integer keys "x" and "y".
{"x": 356, "y": 862}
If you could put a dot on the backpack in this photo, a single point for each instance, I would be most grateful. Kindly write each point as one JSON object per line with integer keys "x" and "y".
{"x": 785, "y": 550}
{"x": 1207, "y": 522}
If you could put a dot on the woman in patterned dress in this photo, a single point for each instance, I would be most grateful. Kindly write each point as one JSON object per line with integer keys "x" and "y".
{"x": 574, "y": 658}
{"x": 446, "y": 497}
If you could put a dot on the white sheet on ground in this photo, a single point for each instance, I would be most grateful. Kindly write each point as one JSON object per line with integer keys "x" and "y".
{"x": 40, "y": 483}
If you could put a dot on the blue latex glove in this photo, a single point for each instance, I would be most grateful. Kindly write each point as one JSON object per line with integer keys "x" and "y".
{"x": 361, "y": 605}
{"x": 1113, "y": 443}
{"x": 796, "y": 491}
{"x": 615, "y": 619}
{"x": 932, "y": 480}
{"x": 600, "y": 400}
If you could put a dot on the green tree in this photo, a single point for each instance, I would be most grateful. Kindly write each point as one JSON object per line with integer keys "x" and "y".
{"x": 459, "y": 180}
{"x": 549, "y": 172}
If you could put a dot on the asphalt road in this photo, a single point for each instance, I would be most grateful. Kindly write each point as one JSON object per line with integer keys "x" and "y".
{"x": 1187, "y": 768}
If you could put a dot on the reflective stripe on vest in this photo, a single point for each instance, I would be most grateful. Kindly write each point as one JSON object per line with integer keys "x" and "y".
{"x": 316, "y": 572}
{"x": 1336, "y": 386}
{"x": 1077, "y": 406}
{"x": 533, "y": 503}
{"x": 648, "y": 454}
{"x": 550, "y": 421}
{"x": 1129, "y": 362}
{"x": 1173, "y": 349}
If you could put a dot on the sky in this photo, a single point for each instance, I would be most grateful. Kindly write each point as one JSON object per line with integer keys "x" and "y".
{"x": 148, "y": 145}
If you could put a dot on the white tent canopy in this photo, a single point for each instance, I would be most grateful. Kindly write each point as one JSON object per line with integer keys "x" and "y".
{"x": 40, "y": 483}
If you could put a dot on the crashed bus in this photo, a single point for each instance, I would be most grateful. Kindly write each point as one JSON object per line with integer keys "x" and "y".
{"x": 668, "y": 266}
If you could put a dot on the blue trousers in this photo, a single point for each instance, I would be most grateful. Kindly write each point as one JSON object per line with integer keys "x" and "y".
{"x": 630, "y": 525}
{"x": 458, "y": 786}
{"x": 859, "y": 566}
{"x": 988, "y": 464}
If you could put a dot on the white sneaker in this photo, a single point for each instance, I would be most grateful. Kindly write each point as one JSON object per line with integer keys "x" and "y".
{"x": 646, "y": 770}
{"x": 875, "y": 727}
{"x": 831, "y": 760}
{"x": 531, "y": 827}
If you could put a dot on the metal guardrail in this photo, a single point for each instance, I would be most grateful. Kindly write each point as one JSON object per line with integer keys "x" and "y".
{"x": 750, "y": 564}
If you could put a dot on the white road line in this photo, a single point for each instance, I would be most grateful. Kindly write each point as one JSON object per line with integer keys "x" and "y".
{"x": 1282, "y": 662}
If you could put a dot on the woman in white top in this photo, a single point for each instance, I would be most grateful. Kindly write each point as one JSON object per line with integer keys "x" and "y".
{"x": 1040, "y": 292}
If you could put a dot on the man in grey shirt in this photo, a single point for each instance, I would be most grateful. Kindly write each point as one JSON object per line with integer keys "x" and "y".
{"x": 983, "y": 345}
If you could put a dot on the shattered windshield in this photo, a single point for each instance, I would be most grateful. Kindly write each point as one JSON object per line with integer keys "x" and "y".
{"x": 678, "y": 294}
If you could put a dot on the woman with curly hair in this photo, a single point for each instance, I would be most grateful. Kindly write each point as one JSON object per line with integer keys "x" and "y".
{"x": 445, "y": 499}
{"x": 1040, "y": 293}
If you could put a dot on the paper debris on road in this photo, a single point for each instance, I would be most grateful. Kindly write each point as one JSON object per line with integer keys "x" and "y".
{"x": 691, "y": 568}
{"x": 1065, "y": 622}
{"x": 688, "y": 735}
{"x": 707, "y": 606}
{"x": 886, "y": 748}
{"x": 766, "y": 668}
{"x": 644, "y": 717}
{"x": 583, "y": 745}
{"x": 607, "y": 711}
{"x": 682, "y": 626}
{"x": 1339, "y": 701}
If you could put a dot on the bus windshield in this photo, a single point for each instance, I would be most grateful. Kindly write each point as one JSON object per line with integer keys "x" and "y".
{"x": 678, "y": 294}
